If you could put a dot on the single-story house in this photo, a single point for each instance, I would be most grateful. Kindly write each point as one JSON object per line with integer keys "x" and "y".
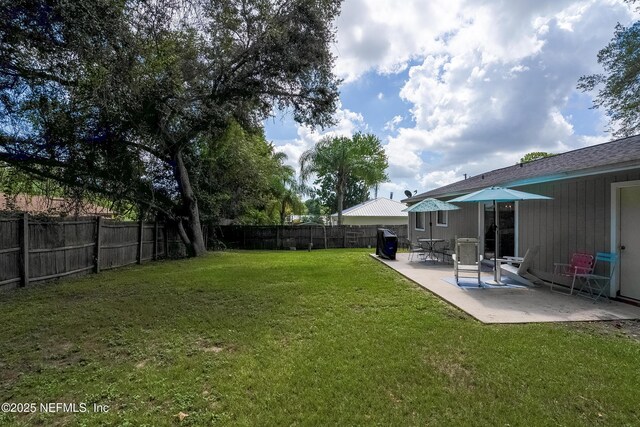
{"x": 595, "y": 208}
{"x": 380, "y": 211}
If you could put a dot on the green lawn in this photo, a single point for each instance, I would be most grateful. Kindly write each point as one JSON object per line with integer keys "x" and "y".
{"x": 282, "y": 338}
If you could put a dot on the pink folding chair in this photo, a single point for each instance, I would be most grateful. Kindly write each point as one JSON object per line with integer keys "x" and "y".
{"x": 581, "y": 263}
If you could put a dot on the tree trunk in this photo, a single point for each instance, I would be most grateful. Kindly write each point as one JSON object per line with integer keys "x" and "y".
{"x": 340, "y": 200}
{"x": 283, "y": 211}
{"x": 183, "y": 234}
{"x": 189, "y": 201}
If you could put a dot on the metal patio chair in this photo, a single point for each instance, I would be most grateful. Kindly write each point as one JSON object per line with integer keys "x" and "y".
{"x": 595, "y": 285}
{"x": 448, "y": 249}
{"x": 581, "y": 263}
{"x": 416, "y": 249}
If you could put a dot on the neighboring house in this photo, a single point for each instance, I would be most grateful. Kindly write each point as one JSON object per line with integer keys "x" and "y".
{"x": 595, "y": 208}
{"x": 53, "y": 206}
{"x": 381, "y": 211}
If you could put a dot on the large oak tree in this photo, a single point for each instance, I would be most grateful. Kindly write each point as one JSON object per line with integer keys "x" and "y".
{"x": 117, "y": 96}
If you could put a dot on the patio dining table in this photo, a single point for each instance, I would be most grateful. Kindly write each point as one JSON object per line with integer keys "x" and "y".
{"x": 429, "y": 245}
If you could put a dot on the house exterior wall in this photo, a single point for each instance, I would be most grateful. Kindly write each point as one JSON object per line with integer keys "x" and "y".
{"x": 462, "y": 223}
{"x": 372, "y": 220}
{"x": 578, "y": 219}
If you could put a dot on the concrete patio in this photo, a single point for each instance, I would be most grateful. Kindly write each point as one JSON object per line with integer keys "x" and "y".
{"x": 509, "y": 304}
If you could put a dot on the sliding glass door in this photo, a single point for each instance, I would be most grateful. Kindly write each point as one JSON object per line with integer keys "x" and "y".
{"x": 507, "y": 223}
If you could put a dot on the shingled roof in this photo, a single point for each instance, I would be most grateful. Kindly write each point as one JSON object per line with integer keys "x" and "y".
{"x": 618, "y": 154}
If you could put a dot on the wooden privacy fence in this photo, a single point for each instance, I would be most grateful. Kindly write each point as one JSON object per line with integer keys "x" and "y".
{"x": 36, "y": 249}
{"x": 300, "y": 236}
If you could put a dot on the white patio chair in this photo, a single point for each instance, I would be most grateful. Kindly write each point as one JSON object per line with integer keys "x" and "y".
{"x": 597, "y": 286}
{"x": 467, "y": 258}
{"x": 517, "y": 268}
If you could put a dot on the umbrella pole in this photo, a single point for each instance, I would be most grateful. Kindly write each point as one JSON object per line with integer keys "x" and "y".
{"x": 430, "y": 227}
{"x": 430, "y": 236}
{"x": 495, "y": 242}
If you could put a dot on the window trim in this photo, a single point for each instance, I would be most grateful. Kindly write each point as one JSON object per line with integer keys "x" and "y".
{"x": 423, "y": 221}
{"x": 446, "y": 219}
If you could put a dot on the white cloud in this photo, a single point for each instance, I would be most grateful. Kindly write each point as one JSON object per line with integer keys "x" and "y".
{"x": 347, "y": 123}
{"x": 403, "y": 164}
{"x": 496, "y": 88}
{"x": 570, "y": 16}
{"x": 392, "y": 124}
{"x": 487, "y": 81}
{"x": 387, "y": 188}
{"x": 384, "y": 35}
{"x": 439, "y": 178}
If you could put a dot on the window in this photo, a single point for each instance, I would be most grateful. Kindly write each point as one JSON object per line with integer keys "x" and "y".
{"x": 419, "y": 220}
{"x": 442, "y": 218}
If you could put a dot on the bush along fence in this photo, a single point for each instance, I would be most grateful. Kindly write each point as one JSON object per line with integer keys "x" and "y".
{"x": 301, "y": 236}
{"x": 34, "y": 249}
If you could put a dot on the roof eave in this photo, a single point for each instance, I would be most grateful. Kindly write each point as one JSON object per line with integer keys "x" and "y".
{"x": 634, "y": 164}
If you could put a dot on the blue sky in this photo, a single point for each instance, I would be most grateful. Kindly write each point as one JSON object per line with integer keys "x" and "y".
{"x": 454, "y": 87}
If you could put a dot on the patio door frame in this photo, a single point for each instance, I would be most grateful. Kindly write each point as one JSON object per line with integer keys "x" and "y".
{"x": 516, "y": 226}
{"x": 614, "y": 289}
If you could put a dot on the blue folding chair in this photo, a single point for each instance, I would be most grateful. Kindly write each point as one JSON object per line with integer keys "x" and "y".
{"x": 594, "y": 285}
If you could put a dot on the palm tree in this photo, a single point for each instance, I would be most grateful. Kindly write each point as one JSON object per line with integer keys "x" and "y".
{"x": 286, "y": 189}
{"x": 361, "y": 157}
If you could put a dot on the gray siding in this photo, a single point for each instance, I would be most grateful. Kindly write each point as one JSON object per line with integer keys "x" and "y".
{"x": 462, "y": 223}
{"x": 578, "y": 219}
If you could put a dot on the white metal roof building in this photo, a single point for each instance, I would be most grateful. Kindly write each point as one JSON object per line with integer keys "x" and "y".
{"x": 380, "y": 211}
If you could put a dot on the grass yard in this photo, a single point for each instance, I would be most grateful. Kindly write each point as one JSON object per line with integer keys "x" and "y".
{"x": 286, "y": 338}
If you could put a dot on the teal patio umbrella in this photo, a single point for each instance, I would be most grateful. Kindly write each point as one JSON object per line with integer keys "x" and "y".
{"x": 495, "y": 195}
{"x": 431, "y": 205}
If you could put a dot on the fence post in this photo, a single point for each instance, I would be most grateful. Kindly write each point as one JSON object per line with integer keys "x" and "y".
{"x": 277, "y": 237}
{"x": 140, "y": 236}
{"x": 166, "y": 239}
{"x": 344, "y": 236}
{"x": 98, "y": 238}
{"x": 25, "y": 250}
{"x": 155, "y": 240}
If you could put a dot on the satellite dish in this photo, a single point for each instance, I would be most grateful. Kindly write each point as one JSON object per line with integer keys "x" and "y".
{"x": 407, "y": 193}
